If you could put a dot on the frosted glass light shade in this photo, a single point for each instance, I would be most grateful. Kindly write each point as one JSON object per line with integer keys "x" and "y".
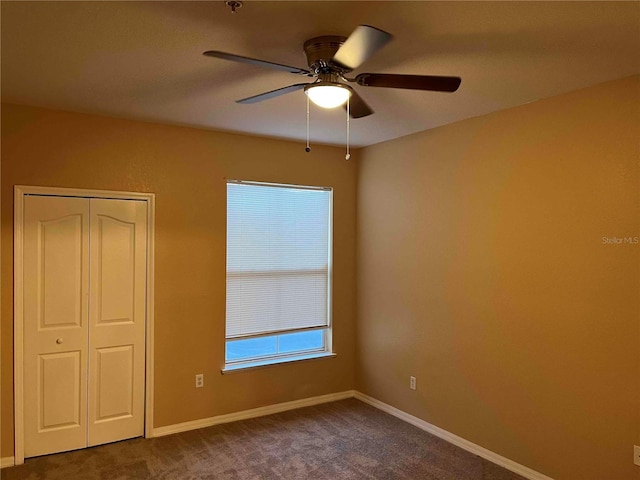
{"x": 327, "y": 95}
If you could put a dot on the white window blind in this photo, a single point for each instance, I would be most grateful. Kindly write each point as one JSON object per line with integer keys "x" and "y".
{"x": 278, "y": 251}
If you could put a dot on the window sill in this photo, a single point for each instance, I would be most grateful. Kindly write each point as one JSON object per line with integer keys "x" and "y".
{"x": 241, "y": 367}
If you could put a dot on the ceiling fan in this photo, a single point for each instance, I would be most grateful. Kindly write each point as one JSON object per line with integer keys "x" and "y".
{"x": 330, "y": 59}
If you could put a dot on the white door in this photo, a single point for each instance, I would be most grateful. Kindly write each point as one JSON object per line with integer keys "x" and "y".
{"x": 56, "y": 280}
{"x": 84, "y": 322}
{"x": 117, "y": 320}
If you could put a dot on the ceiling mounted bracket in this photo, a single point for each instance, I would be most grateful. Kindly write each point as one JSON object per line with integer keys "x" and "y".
{"x": 234, "y": 5}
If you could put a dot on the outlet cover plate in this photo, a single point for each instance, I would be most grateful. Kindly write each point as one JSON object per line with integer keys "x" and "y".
{"x": 636, "y": 455}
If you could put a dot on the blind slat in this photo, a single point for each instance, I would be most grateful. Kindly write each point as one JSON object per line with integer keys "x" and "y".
{"x": 277, "y": 258}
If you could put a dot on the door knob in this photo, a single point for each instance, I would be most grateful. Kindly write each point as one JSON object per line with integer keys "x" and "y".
{"x": 59, "y": 340}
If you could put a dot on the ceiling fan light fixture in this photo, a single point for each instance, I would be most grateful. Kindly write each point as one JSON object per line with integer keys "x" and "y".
{"x": 327, "y": 94}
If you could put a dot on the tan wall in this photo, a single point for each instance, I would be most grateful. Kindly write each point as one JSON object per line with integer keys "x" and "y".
{"x": 482, "y": 271}
{"x": 186, "y": 169}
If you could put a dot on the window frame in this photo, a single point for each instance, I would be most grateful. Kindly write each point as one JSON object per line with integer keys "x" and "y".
{"x": 327, "y": 331}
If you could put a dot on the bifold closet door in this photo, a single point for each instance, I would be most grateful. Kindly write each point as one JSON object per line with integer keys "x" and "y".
{"x": 55, "y": 293}
{"x": 117, "y": 303}
{"x": 84, "y": 284}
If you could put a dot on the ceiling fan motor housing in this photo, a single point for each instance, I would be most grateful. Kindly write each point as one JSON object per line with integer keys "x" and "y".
{"x": 320, "y": 51}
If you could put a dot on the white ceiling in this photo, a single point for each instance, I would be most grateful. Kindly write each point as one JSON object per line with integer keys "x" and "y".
{"x": 143, "y": 60}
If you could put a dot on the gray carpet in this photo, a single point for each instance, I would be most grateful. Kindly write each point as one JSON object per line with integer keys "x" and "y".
{"x": 340, "y": 440}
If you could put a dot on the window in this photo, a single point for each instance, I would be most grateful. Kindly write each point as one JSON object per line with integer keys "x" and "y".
{"x": 278, "y": 273}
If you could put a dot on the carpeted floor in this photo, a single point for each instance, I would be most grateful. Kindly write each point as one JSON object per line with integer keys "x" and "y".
{"x": 340, "y": 440}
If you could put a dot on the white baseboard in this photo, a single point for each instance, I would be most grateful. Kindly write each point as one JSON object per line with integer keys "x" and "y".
{"x": 526, "y": 472}
{"x": 7, "y": 462}
{"x": 254, "y": 412}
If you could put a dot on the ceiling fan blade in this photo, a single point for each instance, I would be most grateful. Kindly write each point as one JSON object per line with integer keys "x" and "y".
{"x": 361, "y": 44}
{"x": 413, "y": 82}
{"x": 358, "y": 108}
{"x": 257, "y": 63}
{"x": 273, "y": 93}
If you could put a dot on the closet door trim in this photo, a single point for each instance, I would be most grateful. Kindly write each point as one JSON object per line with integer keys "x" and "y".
{"x": 20, "y": 192}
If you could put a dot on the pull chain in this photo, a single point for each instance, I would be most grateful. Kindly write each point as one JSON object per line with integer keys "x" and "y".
{"x": 348, "y": 155}
{"x": 308, "y": 148}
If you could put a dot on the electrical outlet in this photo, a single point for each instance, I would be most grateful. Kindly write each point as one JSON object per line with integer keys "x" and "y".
{"x": 412, "y": 383}
{"x": 200, "y": 380}
{"x": 636, "y": 455}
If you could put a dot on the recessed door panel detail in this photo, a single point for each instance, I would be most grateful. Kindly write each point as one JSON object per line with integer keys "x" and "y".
{"x": 60, "y": 272}
{"x": 116, "y": 270}
{"x": 115, "y": 382}
{"x": 59, "y": 390}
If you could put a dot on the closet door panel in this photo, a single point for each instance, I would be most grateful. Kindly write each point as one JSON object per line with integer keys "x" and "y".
{"x": 55, "y": 296}
{"x": 117, "y": 311}
{"x": 114, "y": 396}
